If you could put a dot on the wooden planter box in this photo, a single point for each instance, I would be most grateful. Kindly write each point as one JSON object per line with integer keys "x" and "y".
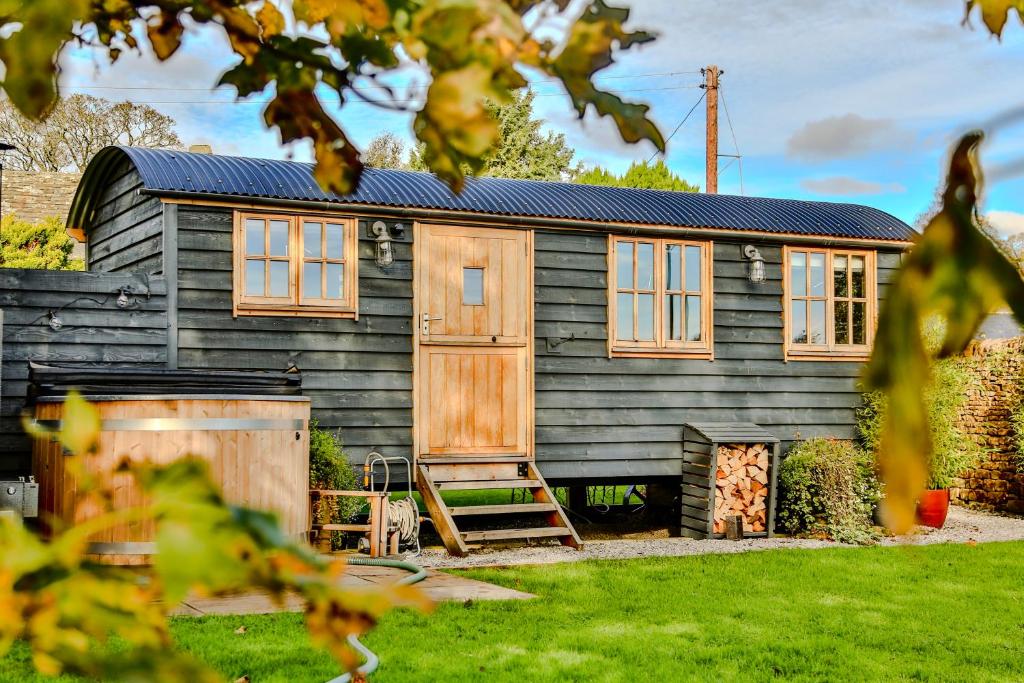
{"x": 728, "y": 468}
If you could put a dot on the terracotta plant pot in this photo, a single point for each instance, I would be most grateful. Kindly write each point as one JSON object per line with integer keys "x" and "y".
{"x": 933, "y": 507}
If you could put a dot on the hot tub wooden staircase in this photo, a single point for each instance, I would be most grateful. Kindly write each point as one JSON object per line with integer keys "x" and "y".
{"x": 468, "y": 473}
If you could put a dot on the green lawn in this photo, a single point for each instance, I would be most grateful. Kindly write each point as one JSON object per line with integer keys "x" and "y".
{"x": 930, "y": 613}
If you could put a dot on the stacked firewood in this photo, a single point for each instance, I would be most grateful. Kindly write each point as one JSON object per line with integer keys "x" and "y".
{"x": 741, "y": 486}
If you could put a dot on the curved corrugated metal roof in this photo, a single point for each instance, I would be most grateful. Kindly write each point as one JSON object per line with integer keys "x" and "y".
{"x": 168, "y": 171}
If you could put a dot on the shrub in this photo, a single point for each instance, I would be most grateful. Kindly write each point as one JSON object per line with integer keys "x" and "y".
{"x": 329, "y": 468}
{"x": 45, "y": 245}
{"x": 828, "y": 487}
{"x": 953, "y": 453}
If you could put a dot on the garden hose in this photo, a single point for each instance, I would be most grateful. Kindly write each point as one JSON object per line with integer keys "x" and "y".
{"x": 416, "y": 574}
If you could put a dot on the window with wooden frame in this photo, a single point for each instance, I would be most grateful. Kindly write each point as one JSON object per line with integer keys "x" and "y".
{"x": 830, "y": 303}
{"x": 659, "y": 297}
{"x": 295, "y": 265}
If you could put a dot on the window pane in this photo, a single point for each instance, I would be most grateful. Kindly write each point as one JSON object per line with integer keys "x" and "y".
{"x": 645, "y": 266}
{"x": 335, "y": 281}
{"x": 279, "y": 276}
{"x": 860, "y": 322}
{"x": 311, "y": 234}
{"x": 278, "y": 240}
{"x": 335, "y": 241}
{"x": 311, "y": 285}
{"x": 473, "y": 286}
{"x": 254, "y": 278}
{"x": 693, "y": 269}
{"x": 624, "y": 317}
{"x": 693, "y": 315}
{"x": 817, "y": 324}
{"x": 798, "y": 273}
{"x": 673, "y": 267}
{"x": 839, "y": 282}
{"x": 857, "y": 273}
{"x": 817, "y": 274}
{"x": 798, "y": 326}
{"x": 674, "y": 317}
{"x": 842, "y": 322}
{"x": 255, "y": 237}
{"x": 624, "y": 265}
{"x": 645, "y": 317}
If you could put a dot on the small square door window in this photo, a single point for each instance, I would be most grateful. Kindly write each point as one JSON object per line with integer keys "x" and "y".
{"x": 472, "y": 286}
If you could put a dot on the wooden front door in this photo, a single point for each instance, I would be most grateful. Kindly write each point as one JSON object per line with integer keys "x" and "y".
{"x": 474, "y": 370}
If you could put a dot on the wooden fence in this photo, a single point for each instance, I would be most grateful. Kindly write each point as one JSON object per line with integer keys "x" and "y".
{"x": 64, "y": 317}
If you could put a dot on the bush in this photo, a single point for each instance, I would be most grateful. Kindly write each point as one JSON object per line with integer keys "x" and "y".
{"x": 828, "y": 487}
{"x": 329, "y": 468}
{"x": 45, "y": 245}
{"x": 953, "y": 453}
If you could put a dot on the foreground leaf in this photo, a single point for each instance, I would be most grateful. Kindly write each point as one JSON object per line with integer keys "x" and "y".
{"x": 995, "y": 13}
{"x": 954, "y": 272}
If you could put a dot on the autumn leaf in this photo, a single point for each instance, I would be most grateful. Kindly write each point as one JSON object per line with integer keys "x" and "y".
{"x": 270, "y": 19}
{"x": 164, "y": 31}
{"x": 956, "y": 272}
{"x": 995, "y": 13}
{"x": 29, "y": 54}
{"x": 587, "y": 51}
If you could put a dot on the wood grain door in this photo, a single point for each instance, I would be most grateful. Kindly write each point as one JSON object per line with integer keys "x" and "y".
{"x": 474, "y": 370}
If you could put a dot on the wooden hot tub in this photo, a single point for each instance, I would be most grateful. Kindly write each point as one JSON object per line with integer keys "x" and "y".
{"x": 257, "y": 448}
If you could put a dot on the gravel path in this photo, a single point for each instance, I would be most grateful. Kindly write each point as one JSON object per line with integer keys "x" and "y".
{"x": 962, "y": 526}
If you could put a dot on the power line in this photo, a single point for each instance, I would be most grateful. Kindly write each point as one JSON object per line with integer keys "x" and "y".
{"x": 669, "y": 138}
{"x": 404, "y": 101}
{"x": 375, "y": 86}
{"x": 736, "y": 146}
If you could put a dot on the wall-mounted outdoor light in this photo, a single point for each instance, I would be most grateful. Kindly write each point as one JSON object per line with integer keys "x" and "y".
{"x": 55, "y": 322}
{"x": 755, "y": 271}
{"x": 385, "y": 254}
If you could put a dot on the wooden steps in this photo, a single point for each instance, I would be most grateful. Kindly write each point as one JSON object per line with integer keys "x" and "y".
{"x": 495, "y": 484}
{"x": 507, "y": 534}
{"x": 515, "y": 508}
{"x": 435, "y": 475}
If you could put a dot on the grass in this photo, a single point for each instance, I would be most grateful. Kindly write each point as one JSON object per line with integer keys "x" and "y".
{"x": 927, "y": 613}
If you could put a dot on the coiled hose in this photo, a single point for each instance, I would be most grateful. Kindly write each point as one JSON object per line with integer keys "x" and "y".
{"x": 416, "y": 574}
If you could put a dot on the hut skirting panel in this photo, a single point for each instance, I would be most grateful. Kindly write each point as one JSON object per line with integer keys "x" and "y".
{"x": 729, "y": 470}
{"x": 256, "y": 448}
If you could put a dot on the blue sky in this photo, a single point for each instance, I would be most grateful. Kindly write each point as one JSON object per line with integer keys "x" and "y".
{"x": 854, "y": 101}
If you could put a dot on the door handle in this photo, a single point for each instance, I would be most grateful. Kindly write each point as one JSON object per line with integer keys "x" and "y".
{"x": 425, "y": 322}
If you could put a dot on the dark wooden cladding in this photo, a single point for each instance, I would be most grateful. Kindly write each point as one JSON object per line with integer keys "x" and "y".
{"x": 358, "y": 373}
{"x": 623, "y": 417}
{"x": 127, "y": 234}
{"x": 95, "y": 332}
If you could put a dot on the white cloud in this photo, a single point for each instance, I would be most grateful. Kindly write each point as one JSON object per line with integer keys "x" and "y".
{"x": 846, "y": 186}
{"x": 1006, "y": 222}
{"x": 847, "y": 136}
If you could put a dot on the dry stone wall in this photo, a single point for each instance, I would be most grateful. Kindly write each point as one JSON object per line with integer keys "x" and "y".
{"x": 986, "y": 417}
{"x": 35, "y": 195}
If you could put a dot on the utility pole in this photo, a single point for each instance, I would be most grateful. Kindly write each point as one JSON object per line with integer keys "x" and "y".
{"x": 711, "y": 75}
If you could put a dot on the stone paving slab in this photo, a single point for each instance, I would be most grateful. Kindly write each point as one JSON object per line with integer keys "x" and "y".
{"x": 438, "y": 586}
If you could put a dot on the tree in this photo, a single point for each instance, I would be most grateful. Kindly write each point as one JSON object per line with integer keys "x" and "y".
{"x": 44, "y": 245}
{"x": 642, "y": 176}
{"x": 385, "y": 151}
{"x": 77, "y": 128}
{"x": 474, "y": 50}
{"x": 521, "y": 151}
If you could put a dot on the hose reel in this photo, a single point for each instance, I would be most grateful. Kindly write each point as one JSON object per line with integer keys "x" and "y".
{"x": 403, "y": 513}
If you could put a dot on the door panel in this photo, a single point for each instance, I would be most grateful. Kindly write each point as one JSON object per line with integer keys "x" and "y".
{"x": 474, "y": 400}
{"x": 474, "y": 388}
{"x": 457, "y": 260}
